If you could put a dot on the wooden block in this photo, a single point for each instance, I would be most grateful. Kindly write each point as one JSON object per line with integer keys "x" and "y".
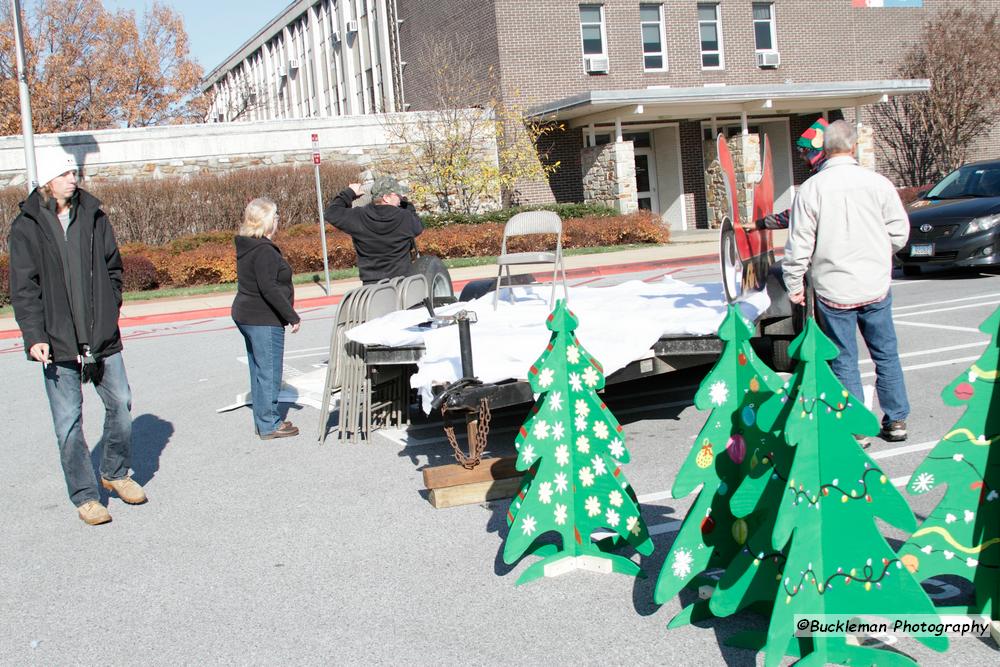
{"x": 477, "y": 492}
{"x": 995, "y": 631}
{"x": 453, "y": 474}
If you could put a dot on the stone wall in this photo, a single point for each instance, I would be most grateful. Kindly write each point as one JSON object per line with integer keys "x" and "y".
{"x": 185, "y": 150}
{"x": 609, "y": 176}
{"x": 745, "y": 150}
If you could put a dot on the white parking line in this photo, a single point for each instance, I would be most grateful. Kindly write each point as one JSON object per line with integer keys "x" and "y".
{"x": 932, "y": 364}
{"x": 933, "y": 350}
{"x": 916, "y": 306}
{"x": 944, "y": 310}
{"x": 937, "y": 326}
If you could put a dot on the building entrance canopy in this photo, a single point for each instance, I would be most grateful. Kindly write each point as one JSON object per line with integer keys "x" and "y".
{"x": 652, "y": 105}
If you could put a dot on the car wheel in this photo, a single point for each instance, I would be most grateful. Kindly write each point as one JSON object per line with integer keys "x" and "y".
{"x": 780, "y": 360}
{"x": 912, "y": 270}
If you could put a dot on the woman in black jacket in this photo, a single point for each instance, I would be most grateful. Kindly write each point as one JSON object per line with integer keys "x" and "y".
{"x": 262, "y": 309}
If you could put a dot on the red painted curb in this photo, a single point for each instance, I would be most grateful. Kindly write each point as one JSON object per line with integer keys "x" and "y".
{"x": 209, "y": 313}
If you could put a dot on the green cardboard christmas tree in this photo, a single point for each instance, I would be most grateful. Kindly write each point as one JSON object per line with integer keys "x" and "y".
{"x": 962, "y": 535}
{"x": 838, "y": 562}
{"x": 572, "y": 449}
{"x": 728, "y": 449}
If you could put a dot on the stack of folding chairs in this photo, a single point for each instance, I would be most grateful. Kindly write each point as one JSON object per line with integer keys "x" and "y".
{"x": 368, "y": 396}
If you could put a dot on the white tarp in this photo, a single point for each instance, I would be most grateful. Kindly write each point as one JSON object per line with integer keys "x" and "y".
{"x": 618, "y": 325}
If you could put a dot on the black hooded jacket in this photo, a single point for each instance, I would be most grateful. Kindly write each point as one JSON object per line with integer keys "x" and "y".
{"x": 383, "y": 234}
{"x": 264, "y": 293}
{"x": 38, "y": 284}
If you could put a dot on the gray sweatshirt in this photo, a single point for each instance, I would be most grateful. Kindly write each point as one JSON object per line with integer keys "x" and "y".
{"x": 847, "y": 222}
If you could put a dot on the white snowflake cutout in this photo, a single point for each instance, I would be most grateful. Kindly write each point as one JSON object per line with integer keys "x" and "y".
{"x": 682, "y": 563}
{"x": 555, "y": 400}
{"x": 612, "y": 518}
{"x": 562, "y": 483}
{"x": 545, "y": 492}
{"x": 583, "y": 444}
{"x": 615, "y": 498}
{"x": 528, "y": 453}
{"x": 545, "y": 377}
{"x": 562, "y": 455}
{"x": 529, "y": 525}
{"x": 601, "y": 430}
{"x": 923, "y": 483}
{"x": 719, "y": 392}
{"x": 581, "y": 408}
{"x": 573, "y": 354}
{"x": 541, "y": 429}
{"x": 586, "y": 477}
{"x": 598, "y": 463}
{"x": 558, "y": 430}
{"x": 590, "y": 377}
{"x": 593, "y": 506}
{"x": 617, "y": 448}
{"x": 560, "y": 514}
{"x": 580, "y": 423}
{"x": 632, "y": 523}
{"x": 574, "y": 382}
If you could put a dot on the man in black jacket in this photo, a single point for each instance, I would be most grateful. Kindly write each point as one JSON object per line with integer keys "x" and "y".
{"x": 66, "y": 289}
{"x": 383, "y": 231}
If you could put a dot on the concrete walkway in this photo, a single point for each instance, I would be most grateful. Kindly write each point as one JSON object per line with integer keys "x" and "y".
{"x": 696, "y": 246}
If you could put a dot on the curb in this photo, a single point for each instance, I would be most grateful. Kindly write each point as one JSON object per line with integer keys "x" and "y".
{"x": 317, "y": 302}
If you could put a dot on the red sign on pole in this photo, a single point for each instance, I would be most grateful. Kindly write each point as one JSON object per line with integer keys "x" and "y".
{"x": 315, "y": 143}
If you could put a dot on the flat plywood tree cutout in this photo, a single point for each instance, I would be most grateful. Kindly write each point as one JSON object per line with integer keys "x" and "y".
{"x": 962, "y": 535}
{"x": 838, "y": 562}
{"x": 572, "y": 449}
{"x": 729, "y": 447}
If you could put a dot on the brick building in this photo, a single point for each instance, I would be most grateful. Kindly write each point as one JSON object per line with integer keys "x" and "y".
{"x": 638, "y": 88}
{"x": 663, "y": 74}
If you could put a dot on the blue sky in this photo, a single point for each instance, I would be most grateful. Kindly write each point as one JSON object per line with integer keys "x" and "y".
{"x": 215, "y": 28}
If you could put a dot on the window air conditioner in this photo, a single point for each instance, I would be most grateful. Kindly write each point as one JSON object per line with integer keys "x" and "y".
{"x": 221, "y": 118}
{"x": 596, "y": 64}
{"x": 768, "y": 59}
{"x": 292, "y": 64}
{"x": 281, "y": 72}
{"x": 335, "y": 36}
{"x": 352, "y": 26}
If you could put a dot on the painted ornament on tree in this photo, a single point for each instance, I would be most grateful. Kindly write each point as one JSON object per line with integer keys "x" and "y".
{"x": 736, "y": 448}
{"x": 964, "y": 391}
{"x": 705, "y": 456}
{"x": 740, "y": 531}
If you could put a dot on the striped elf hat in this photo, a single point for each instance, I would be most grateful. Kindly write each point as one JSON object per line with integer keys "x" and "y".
{"x": 811, "y": 141}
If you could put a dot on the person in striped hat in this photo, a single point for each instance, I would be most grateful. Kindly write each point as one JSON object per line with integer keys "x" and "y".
{"x": 810, "y": 148}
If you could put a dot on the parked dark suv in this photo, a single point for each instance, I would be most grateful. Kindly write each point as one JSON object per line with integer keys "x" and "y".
{"x": 957, "y": 222}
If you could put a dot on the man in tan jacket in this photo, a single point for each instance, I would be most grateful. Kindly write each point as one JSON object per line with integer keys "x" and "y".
{"x": 846, "y": 224}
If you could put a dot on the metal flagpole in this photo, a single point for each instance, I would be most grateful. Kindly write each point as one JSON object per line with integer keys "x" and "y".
{"x": 27, "y": 131}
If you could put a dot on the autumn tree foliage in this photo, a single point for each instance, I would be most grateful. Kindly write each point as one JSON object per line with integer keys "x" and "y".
{"x": 444, "y": 156}
{"x": 89, "y": 68}
{"x": 924, "y": 136}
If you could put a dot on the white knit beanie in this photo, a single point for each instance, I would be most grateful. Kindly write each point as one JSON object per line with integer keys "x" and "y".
{"x": 52, "y": 162}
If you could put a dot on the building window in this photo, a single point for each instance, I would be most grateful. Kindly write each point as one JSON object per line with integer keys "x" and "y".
{"x": 653, "y": 52}
{"x": 763, "y": 26}
{"x": 592, "y": 29}
{"x": 710, "y": 32}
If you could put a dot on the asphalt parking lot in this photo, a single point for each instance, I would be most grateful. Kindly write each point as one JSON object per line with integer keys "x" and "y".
{"x": 288, "y": 552}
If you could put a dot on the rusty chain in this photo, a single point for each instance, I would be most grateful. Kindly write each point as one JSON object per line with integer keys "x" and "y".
{"x": 482, "y": 432}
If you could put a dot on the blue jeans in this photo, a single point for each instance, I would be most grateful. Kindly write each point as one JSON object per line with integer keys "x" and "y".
{"x": 62, "y": 384}
{"x": 879, "y": 334}
{"x": 265, "y": 355}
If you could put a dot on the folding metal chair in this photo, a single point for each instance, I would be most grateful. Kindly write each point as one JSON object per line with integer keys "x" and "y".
{"x": 412, "y": 291}
{"x": 336, "y": 360}
{"x": 523, "y": 224}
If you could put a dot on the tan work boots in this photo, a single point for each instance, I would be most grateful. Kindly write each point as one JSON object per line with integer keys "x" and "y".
{"x": 126, "y": 488}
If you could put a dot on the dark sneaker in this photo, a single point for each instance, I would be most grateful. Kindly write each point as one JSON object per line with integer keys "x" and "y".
{"x": 286, "y": 430}
{"x": 864, "y": 440}
{"x": 894, "y": 431}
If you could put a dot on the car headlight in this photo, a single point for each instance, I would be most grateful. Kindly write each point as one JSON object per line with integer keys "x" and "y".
{"x": 982, "y": 224}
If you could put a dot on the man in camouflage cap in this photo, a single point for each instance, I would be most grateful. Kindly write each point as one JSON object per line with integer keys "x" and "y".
{"x": 383, "y": 231}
